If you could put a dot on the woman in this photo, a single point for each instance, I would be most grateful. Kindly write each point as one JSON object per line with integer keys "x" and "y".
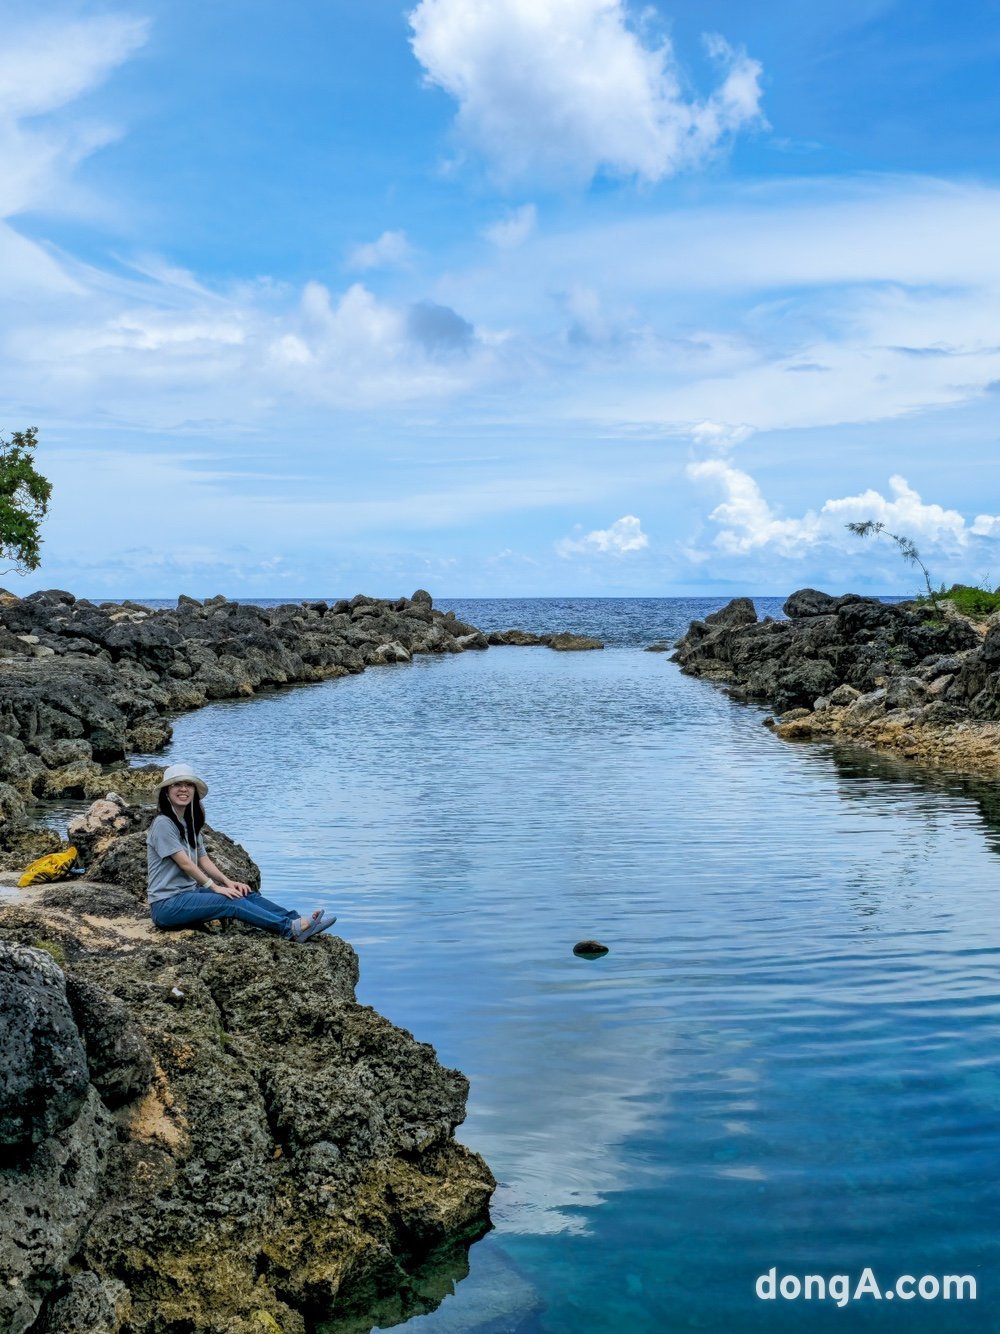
{"x": 186, "y": 887}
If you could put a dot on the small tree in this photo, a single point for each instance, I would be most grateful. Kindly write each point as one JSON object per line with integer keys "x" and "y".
{"x": 24, "y": 501}
{"x": 907, "y": 549}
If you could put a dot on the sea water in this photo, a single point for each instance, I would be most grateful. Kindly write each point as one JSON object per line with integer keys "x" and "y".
{"x": 788, "y": 1057}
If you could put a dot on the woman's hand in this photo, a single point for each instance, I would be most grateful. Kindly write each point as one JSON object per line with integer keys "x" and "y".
{"x": 232, "y": 891}
{"x": 238, "y": 884}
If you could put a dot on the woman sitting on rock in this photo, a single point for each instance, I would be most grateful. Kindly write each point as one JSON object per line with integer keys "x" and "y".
{"x": 186, "y": 887}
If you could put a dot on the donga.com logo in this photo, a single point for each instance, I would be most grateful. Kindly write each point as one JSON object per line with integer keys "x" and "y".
{"x": 841, "y": 1288}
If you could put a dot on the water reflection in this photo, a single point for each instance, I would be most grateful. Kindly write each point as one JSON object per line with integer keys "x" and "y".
{"x": 788, "y": 1055}
{"x": 422, "y": 1289}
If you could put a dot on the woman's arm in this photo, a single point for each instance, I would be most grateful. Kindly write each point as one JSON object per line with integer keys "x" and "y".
{"x": 221, "y": 879}
{"x": 205, "y": 879}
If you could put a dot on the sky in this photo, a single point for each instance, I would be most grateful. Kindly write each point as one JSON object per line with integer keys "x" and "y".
{"x": 503, "y": 297}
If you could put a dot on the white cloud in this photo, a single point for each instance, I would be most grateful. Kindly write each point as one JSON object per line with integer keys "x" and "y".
{"x": 721, "y": 436}
{"x": 391, "y": 250}
{"x": 162, "y": 350}
{"x": 905, "y": 514}
{"x": 567, "y": 89}
{"x": 745, "y": 518}
{"x": 43, "y": 66}
{"x": 514, "y": 228}
{"x": 747, "y": 522}
{"x": 624, "y": 535}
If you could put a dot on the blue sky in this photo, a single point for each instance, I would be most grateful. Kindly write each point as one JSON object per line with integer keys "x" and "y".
{"x": 503, "y": 297}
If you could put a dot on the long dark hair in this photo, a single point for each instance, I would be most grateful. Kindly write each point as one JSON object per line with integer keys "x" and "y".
{"x": 194, "y": 816}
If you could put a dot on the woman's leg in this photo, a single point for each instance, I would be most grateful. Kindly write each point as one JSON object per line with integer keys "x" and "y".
{"x": 201, "y": 905}
{"x": 258, "y": 897}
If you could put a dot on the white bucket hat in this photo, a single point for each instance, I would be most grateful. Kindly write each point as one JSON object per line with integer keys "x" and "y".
{"x": 182, "y": 773}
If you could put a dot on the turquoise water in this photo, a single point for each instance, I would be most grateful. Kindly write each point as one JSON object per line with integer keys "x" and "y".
{"x": 788, "y": 1056}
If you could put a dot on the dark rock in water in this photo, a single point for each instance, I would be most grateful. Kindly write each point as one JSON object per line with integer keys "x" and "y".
{"x": 570, "y": 643}
{"x": 43, "y": 1065}
{"x": 661, "y": 646}
{"x": 590, "y": 949}
{"x": 849, "y": 641}
{"x": 518, "y": 638}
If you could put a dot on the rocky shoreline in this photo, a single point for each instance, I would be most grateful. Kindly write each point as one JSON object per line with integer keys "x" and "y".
{"x": 203, "y": 1130}
{"x": 917, "y": 680}
{"x": 200, "y": 1130}
{"x": 84, "y": 686}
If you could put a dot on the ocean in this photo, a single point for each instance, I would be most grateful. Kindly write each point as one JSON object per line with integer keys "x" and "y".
{"x": 786, "y": 1061}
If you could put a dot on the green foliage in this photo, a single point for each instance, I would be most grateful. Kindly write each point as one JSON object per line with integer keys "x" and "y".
{"x": 976, "y": 603}
{"x": 24, "y": 500}
{"x": 907, "y": 549}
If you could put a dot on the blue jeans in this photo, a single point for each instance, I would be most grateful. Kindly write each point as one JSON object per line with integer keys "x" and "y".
{"x": 202, "y": 905}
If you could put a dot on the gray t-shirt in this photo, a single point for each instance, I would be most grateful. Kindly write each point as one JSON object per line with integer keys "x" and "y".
{"x": 164, "y": 876}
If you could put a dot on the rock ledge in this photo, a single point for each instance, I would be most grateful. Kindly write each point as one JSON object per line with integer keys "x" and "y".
{"x": 909, "y": 678}
{"x": 205, "y": 1131}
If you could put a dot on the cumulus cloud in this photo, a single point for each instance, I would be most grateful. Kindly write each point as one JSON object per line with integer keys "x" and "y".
{"x": 747, "y": 522}
{"x": 624, "y": 535}
{"x": 745, "y": 519}
{"x": 514, "y": 228}
{"x": 391, "y": 250}
{"x": 566, "y": 88}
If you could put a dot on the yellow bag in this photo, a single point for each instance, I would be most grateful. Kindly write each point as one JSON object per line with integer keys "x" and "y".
{"x": 54, "y": 866}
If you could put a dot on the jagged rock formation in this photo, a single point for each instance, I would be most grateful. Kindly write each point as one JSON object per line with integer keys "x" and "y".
{"x": 84, "y": 686}
{"x": 909, "y": 677}
{"x": 206, "y": 1132}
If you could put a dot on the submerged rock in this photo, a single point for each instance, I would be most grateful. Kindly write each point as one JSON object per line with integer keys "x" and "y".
{"x": 590, "y": 949}
{"x": 570, "y": 643}
{"x": 517, "y": 638}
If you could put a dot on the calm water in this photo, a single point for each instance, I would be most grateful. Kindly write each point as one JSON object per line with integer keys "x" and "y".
{"x": 788, "y": 1057}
